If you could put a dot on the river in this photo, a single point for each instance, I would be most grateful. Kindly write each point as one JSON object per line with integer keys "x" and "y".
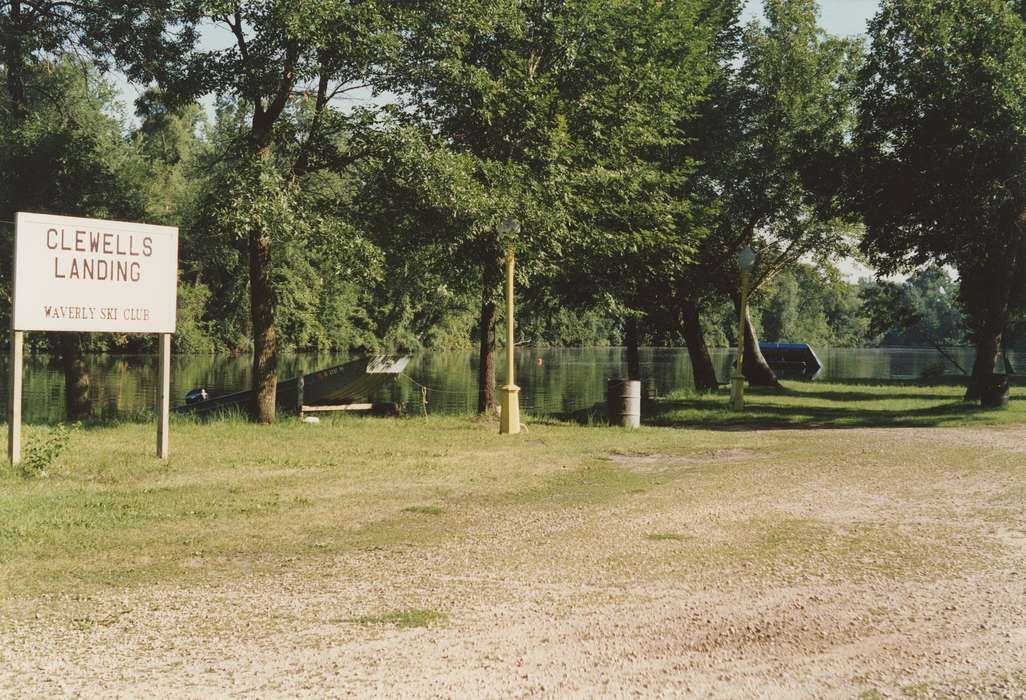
{"x": 552, "y": 380}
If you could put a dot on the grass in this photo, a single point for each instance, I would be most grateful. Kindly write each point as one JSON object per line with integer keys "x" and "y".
{"x": 403, "y": 619}
{"x": 237, "y": 494}
{"x": 237, "y": 498}
{"x": 423, "y": 510}
{"x": 851, "y": 405}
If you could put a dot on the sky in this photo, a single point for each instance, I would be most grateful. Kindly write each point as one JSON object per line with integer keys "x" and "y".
{"x": 836, "y": 16}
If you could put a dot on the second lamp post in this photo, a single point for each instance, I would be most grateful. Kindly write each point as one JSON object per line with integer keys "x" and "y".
{"x": 509, "y": 419}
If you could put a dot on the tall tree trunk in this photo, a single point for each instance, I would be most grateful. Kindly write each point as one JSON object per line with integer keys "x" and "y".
{"x": 266, "y": 111}
{"x": 265, "y": 334}
{"x": 262, "y": 298}
{"x": 694, "y": 337}
{"x": 988, "y": 291}
{"x": 755, "y": 368}
{"x": 486, "y": 360}
{"x": 988, "y": 344}
{"x": 633, "y": 358}
{"x": 76, "y": 375}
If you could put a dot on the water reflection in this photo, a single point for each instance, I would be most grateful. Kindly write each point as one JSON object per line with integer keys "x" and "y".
{"x": 565, "y": 379}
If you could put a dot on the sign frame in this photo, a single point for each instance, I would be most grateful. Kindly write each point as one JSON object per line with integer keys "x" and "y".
{"x": 164, "y": 330}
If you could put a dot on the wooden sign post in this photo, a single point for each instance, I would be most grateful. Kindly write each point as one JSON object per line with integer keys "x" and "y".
{"x": 77, "y": 275}
{"x": 164, "y": 396}
{"x": 14, "y": 399}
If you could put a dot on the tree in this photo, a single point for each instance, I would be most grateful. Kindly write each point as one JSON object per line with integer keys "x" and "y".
{"x": 322, "y": 261}
{"x": 773, "y": 140}
{"x": 941, "y": 145}
{"x": 169, "y": 139}
{"x": 639, "y": 78}
{"x": 284, "y": 54}
{"x": 482, "y": 82}
{"x": 425, "y": 207}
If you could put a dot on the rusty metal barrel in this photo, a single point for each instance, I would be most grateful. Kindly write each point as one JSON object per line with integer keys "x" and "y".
{"x": 623, "y": 402}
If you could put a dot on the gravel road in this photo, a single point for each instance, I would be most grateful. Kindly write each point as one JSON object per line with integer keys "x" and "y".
{"x": 850, "y": 582}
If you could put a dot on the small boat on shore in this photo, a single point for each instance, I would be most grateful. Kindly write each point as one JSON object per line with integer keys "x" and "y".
{"x": 344, "y": 384}
{"x": 792, "y": 360}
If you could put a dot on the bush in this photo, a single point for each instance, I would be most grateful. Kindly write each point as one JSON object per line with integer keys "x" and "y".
{"x": 42, "y": 450}
{"x": 192, "y": 333}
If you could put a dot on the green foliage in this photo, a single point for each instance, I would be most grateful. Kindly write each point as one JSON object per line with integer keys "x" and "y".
{"x": 322, "y": 263}
{"x": 563, "y": 327}
{"x": 639, "y": 144}
{"x": 71, "y": 152}
{"x": 42, "y": 449}
{"x": 770, "y": 138}
{"x": 921, "y": 311}
{"x": 482, "y": 82}
{"x": 889, "y": 308}
{"x": 168, "y": 139}
{"x": 940, "y": 145}
{"x": 812, "y": 304}
{"x": 639, "y": 79}
{"x": 193, "y": 334}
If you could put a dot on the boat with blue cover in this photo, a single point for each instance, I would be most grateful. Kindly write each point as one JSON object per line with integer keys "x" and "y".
{"x": 792, "y": 360}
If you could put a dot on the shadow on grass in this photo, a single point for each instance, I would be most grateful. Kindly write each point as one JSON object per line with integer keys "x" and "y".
{"x": 595, "y": 416}
{"x": 768, "y": 409}
{"x": 853, "y": 396}
{"x": 809, "y": 406}
{"x": 592, "y": 416}
{"x": 782, "y": 417}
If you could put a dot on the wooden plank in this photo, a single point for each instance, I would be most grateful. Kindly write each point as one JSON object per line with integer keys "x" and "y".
{"x": 343, "y": 407}
{"x": 14, "y": 399}
{"x": 164, "y": 397}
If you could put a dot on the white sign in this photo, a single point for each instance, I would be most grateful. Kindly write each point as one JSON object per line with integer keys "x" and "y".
{"x": 92, "y": 275}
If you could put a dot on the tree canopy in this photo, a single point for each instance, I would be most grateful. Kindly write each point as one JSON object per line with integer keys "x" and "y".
{"x": 346, "y": 190}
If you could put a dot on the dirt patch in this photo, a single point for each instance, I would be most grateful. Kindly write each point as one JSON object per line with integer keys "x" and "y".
{"x": 987, "y": 440}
